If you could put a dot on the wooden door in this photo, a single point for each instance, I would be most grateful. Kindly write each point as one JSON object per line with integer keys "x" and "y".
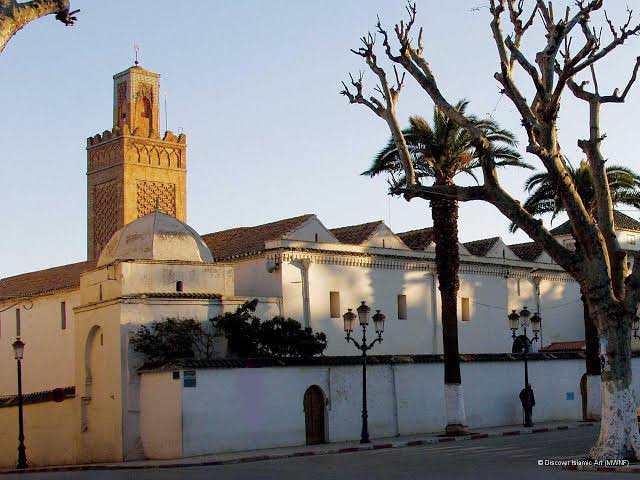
{"x": 314, "y": 415}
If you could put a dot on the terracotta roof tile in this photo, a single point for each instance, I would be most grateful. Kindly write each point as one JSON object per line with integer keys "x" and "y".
{"x": 417, "y": 239}
{"x": 529, "y": 251}
{"x": 620, "y": 220}
{"x": 480, "y": 248}
{"x": 564, "y": 346}
{"x": 44, "y": 281}
{"x": 356, "y": 234}
{"x": 241, "y": 241}
{"x": 35, "y": 397}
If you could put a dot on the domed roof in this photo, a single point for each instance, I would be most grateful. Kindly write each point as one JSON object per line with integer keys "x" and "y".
{"x": 155, "y": 236}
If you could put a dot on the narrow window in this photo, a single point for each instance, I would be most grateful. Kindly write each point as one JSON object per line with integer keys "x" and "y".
{"x": 402, "y": 307}
{"x": 63, "y": 315}
{"x": 316, "y": 237}
{"x": 101, "y": 339}
{"x": 631, "y": 239}
{"x": 334, "y": 304}
{"x": 179, "y": 286}
{"x": 464, "y": 310}
{"x": 17, "y": 322}
{"x": 383, "y": 243}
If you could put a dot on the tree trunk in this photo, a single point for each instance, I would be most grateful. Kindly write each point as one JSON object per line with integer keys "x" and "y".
{"x": 592, "y": 382}
{"x": 445, "y": 228}
{"x": 619, "y": 437}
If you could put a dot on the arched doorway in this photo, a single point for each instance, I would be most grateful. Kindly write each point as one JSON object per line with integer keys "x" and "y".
{"x": 314, "y": 408}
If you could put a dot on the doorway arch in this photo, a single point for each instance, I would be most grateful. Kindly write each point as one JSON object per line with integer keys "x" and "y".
{"x": 314, "y": 415}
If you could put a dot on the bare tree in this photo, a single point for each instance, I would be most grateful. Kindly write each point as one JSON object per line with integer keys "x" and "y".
{"x": 599, "y": 264}
{"x": 15, "y": 15}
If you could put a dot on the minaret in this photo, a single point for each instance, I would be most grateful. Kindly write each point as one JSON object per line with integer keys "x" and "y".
{"x": 130, "y": 169}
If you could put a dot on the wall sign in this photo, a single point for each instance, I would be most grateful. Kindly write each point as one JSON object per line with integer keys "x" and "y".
{"x": 189, "y": 377}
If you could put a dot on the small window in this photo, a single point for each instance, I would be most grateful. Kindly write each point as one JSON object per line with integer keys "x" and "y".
{"x": 100, "y": 292}
{"x": 402, "y": 307}
{"x": 383, "y": 243}
{"x": 334, "y": 304}
{"x": 631, "y": 239}
{"x": 63, "y": 316}
{"x": 101, "y": 339}
{"x": 464, "y": 310}
{"x": 17, "y": 322}
{"x": 316, "y": 237}
{"x": 179, "y": 286}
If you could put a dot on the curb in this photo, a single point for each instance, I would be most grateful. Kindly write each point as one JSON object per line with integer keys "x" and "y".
{"x": 331, "y": 451}
{"x": 596, "y": 468}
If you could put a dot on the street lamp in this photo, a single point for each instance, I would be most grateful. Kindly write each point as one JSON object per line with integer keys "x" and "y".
{"x": 18, "y": 351}
{"x": 525, "y": 320}
{"x": 378, "y": 323}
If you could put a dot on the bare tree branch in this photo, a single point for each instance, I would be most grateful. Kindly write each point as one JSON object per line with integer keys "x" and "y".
{"x": 16, "y": 15}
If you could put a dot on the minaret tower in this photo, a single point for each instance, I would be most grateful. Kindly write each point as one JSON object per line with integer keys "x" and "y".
{"x": 131, "y": 170}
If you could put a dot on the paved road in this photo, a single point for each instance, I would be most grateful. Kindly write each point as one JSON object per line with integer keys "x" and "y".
{"x": 494, "y": 458}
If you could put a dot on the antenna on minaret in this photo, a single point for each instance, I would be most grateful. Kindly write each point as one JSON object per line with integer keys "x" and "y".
{"x": 136, "y": 49}
{"x": 166, "y": 113}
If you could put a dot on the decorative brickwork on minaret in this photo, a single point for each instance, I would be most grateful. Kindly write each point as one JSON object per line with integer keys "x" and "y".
{"x": 131, "y": 170}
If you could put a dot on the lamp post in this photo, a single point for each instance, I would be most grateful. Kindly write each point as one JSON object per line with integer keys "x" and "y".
{"x": 18, "y": 351}
{"x": 378, "y": 322}
{"x": 524, "y": 319}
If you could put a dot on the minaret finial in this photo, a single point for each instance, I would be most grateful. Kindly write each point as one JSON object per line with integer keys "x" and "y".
{"x": 136, "y": 48}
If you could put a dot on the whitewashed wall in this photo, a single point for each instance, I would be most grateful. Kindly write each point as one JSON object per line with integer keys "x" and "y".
{"x": 491, "y": 299}
{"x": 252, "y": 408}
{"x": 49, "y": 352}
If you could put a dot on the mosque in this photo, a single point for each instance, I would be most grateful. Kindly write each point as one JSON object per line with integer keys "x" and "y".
{"x": 144, "y": 263}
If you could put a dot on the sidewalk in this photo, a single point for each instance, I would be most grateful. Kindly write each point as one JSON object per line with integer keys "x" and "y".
{"x": 308, "y": 450}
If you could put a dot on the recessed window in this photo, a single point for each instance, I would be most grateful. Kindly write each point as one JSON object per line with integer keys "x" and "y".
{"x": 100, "y": 292}
{"x": 179, "y": 286}
{"x": 402, "y": 307}
{"x": 63, "y": 316}
{"x": 464, "y": 310}
{"x": 334, "y": 304}
{"x": 101, "y": 339}
{"x": 316, "y": 237}
{"x": 17, "y": 322}
{"x": 631, "y": 239}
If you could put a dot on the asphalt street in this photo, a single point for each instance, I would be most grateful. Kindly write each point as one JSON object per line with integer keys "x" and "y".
{"x": 495, "y": 458}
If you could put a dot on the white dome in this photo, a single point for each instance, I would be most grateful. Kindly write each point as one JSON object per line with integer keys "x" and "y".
{"x": 155, "y": 236}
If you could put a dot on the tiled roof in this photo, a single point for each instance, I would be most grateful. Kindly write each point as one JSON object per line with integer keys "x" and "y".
{"x": 529, "y": 251}
{"x": 44, "y": 281}
{"x": 35, "y": 397}
{"x": 564, "y": 346}
{"x": 417, "y": 239}
{"x": 204, "y": 295}
{"x": 480, "y": 248}
{"x": 620, "y": 221}
{"x": 241, "y": 241}
{"x": 350, "y": 360}
{"x": 356, "y": 234}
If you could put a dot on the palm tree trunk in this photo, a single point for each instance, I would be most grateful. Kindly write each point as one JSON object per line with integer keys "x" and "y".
{"x": 592, "y": 364}
{"x": 445, "y": 228}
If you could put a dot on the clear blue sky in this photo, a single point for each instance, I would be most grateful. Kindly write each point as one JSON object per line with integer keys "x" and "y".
{"x": 254, "y": 84}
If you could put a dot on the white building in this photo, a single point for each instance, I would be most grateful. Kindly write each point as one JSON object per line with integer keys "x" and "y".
{"x": 145, "y": 265}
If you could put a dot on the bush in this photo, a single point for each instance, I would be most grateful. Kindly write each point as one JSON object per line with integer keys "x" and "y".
{"x": 173, "y": 339}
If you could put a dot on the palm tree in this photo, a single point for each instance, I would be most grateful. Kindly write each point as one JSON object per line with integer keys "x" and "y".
{"x": 440, "y": 151}
{"x": 543, "y": 198}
